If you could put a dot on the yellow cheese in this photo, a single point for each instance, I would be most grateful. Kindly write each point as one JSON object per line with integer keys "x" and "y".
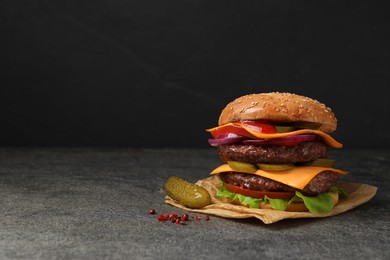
{"x": 297, "y": 177}
{"x": 327, "y": 138}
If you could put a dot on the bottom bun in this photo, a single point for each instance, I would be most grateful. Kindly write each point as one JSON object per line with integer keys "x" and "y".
{"x": 293, "y": 207}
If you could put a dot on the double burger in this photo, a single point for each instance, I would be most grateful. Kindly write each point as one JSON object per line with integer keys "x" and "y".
{"x": 275, "y": 148}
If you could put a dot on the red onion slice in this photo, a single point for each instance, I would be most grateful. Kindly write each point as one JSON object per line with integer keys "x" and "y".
{"x": 281, "y": 140}
{"x": 256, "y": 141}
{"x": 227, "y": 139}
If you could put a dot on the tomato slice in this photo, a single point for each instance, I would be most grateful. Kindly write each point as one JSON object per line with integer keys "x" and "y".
{"x": 260, "y": 126}
{"x": 236, "y": 129}
{"x": 227, "y": 129}
{"x": 259, "y": 194}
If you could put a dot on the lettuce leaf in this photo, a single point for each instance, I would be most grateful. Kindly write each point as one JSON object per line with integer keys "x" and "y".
{"x": 321, "y": 203}
{"x": 277, "y": 204}
{"x": 244, "y": 200}
{"x": 253, "y": 203}
{"x": 342, "y": 193}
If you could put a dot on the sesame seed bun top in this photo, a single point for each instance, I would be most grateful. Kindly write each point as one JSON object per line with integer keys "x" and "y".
{"x": 279, "y": 107}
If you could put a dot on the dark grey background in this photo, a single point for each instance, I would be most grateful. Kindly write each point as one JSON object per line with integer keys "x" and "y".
{"x": 157, "y": 73}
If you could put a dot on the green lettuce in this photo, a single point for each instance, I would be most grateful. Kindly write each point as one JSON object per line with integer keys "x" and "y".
{"x": 277, "y": 204}
{"x": 244, "y": 200}
{"x": 342, "y": 193}
{"x": 321, "y": 203}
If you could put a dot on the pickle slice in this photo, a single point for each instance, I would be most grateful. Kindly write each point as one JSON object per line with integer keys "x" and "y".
{"x": 284, "y": 128}
{"x": 321, "y": 162}
{"x": 187, "y": 193}
{"x": 242, "y": 166}
{"x": 307, "y": 125}
{"x": 275, "y": 167}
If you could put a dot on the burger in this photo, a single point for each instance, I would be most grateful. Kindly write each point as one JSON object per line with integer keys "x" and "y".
{"x": 275, "y": 148}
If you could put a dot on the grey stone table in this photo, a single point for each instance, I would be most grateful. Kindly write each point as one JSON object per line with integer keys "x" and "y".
{"x": 94, "y": 203}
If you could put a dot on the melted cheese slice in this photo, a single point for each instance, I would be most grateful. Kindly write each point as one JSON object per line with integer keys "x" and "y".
{"x": 297, "y": 177}
{"x": 327, "y": 138}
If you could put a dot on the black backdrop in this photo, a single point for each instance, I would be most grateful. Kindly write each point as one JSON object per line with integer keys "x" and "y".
{"x": 157, "y": 73}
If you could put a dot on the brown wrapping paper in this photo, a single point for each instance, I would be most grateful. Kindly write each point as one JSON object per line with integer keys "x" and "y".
{"x": 358, "y": 194}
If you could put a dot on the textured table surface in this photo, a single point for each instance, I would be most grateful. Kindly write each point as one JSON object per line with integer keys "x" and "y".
{"x": 94, "y": 203}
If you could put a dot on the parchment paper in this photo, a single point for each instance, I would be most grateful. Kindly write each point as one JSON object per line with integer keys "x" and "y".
{"x": 358, "y": 194}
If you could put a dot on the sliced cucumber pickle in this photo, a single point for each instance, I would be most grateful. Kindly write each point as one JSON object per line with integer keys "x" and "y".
{"x": 275, "y": 167}
{"x": 242, "y": 166}
{"x": 284, "y": 128}
{"x": 187, "y": 193}
{"x": 321, "y": 162}
{"x": 307, "y": 125}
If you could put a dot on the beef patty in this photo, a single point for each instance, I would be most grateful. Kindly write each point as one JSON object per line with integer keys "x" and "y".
{"x": 320, "y": 183}
{"x": 303, "y": 152}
